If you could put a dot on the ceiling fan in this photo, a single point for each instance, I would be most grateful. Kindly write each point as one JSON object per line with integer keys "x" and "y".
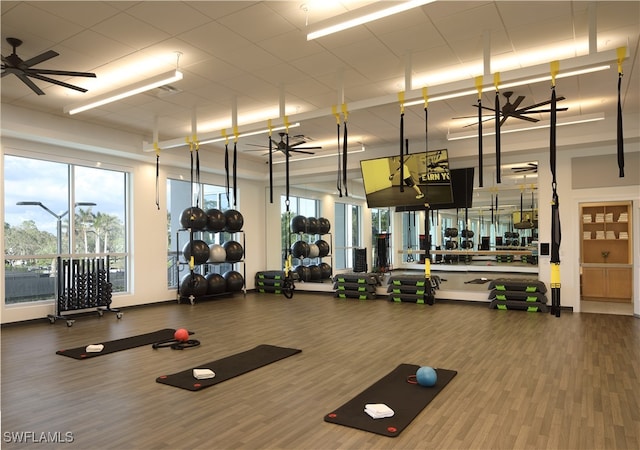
{"x": 527, "y": 168}
{"x": 513, "y": 110}
{"x": 293, "y": 148}
{"x": 15, "y": 65}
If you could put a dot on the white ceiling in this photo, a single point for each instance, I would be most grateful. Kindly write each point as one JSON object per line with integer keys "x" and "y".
{"x": 251, "y": 57}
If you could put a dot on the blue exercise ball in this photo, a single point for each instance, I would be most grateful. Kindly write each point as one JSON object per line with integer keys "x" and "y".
{"x": 426, "y": 376}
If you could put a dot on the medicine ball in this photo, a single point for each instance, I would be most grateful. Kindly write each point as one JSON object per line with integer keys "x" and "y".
{"x": 234, "y": 251}
{"x": 325, "y": 270}
{"x": 426, "y": 376}
{"x": 198, "y": 249}
{"x": 312, "y": 225}
{"x": 324, "y": 226}
{"x": 216, "y": 221}
{"x": 300, "y": 249}
{"x": 193, "y": 218}
{"x": 233, "y": 220}
{"x": 451, "y": 232}
{"x": 234, "y": 280}
{"x": 217, "y": 253}
{"x": 314, "y": 251}
{"x": 298, "y": 224}
{"x": 315, "y": 272}
{"x": 323, "y": 248}
{"x": 303, "y": 272}
{"x": 193, "y": 284}
{"x": 216, "y": 284}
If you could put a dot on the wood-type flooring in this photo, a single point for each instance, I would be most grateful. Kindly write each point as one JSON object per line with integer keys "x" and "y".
{"x": 525, "y": 380}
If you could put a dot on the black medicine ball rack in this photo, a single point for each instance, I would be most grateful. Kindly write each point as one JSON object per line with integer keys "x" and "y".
{"x": 82, "y": 283}
{"x": 311, "y": 267}
{"x": 203, "y": 282}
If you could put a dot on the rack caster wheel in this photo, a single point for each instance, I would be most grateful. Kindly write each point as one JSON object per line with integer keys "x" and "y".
{"x": 70, "y": 323}
{"x": 100, "y": 313}
{"x": 119, "y": 315}
{"x": 52, "y": 320}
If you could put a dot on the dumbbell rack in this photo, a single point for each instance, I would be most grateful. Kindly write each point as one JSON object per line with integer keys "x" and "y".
{"x": 82, "y": 283}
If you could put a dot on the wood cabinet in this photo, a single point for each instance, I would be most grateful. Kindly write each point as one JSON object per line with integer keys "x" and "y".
{"x": 606, "y": 263}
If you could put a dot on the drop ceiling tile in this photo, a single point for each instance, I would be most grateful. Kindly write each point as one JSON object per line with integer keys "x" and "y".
{"x": 130, "y": 31}
{"x": 172, "y": 17}
{"x": 256, "y": 23}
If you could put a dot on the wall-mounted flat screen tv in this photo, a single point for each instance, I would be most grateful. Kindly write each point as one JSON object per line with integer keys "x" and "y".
{"x": 424, "y": 177}
{"x": 462, "y": 187}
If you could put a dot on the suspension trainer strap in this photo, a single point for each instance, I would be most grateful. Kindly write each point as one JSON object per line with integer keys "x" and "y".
{"x": 197, "y": 147}
{"x": 235, "y": 166}
{"x": 480, "y": 149}
{"x": 235, "y": 174}
{"x": 498, "y": 125}
{"x": 402, "y": 174}
{"x": 270, "y": 163}
{"x": 556, "y": 232}
{"x": 344, "y": 150}
{"x": 620, "y": 139}
{"x": 226, "y": 162}
{"x": 157, "y": 149}
{"x": 339, "y": 179}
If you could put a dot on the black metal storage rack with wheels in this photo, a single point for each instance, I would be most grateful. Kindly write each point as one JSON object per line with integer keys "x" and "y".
{"x": 82, "y": 283}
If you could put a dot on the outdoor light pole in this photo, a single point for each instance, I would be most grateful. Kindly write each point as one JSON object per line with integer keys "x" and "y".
{"x": 58, "y": 217}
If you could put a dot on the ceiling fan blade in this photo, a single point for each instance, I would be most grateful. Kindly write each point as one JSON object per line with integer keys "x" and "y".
{"x": 521, "y": 117}
{"x": 474, "y": 117}
{"x": 60, "y": 72}
{"x": 305, "y": 148}
{"x": 546, "y": 102}
{"x": 543, "y": 111}
{"x": 488, "y": 118}
{"x": 258, "y": 145}
{"x": 30, "y": 83}
{"x": 301, "y": 151}
{"x": 40, "y": 58}
{"x": 59, "y": 83}
{"x": 518, "y": 101}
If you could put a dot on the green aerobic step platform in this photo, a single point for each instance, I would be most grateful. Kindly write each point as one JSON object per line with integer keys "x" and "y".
{"x": 355, "y": 294}
{"x": 359, "y": 278}
{"x": 270, "y": 275}
{"x": 518, "y": 305}
{"x": 522, "y": 296}
{"x": 517, "y": 284}
{"x": 354, "y": 287}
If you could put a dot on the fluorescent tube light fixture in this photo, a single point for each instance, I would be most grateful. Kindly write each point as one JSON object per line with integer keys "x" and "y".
{"x": 561, "y": 122}
{"x": 326, "y": 155}
{"x": 248, "y": 133}
{"x": 360, "y": 16}
{"x": 119, "y": 94}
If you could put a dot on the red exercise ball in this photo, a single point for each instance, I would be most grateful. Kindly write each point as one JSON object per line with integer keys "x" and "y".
{"x": 181, "y": 335}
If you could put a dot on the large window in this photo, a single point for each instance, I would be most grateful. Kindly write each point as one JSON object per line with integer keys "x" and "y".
{"x": 347, "y": 234}
{"x": 53, "y": 210}
{"x": 180, "y": 196}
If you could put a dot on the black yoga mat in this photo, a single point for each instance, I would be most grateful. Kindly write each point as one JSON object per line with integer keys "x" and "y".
{"x": 404, "y": 398}
{"x": 228, "y": 367}
{"x": 120, "y": 344}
